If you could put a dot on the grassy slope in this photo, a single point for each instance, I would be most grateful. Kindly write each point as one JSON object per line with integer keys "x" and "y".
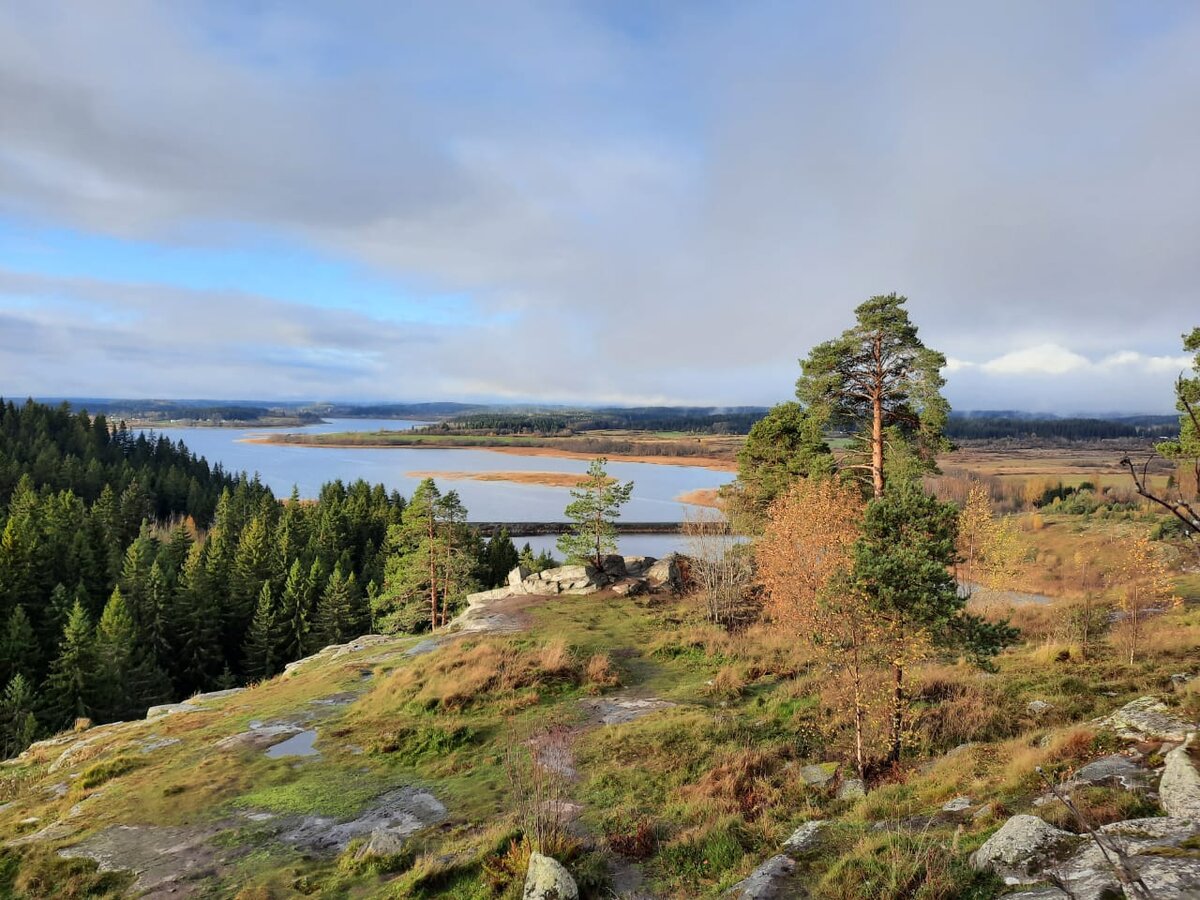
{"x": 710, "y": 784}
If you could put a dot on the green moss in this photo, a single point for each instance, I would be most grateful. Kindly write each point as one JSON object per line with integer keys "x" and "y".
{"x": 312, "y": 791}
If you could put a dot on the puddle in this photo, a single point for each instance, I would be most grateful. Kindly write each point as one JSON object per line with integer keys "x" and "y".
{"x": 297, "y": 745}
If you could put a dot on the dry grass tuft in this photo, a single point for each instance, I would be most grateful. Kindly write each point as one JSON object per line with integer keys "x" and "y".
{"x": 745, "y": 781}
{"x": 469, "y": 674}
{"x": 600, "y": 674}
{"x": 730, "y": 682}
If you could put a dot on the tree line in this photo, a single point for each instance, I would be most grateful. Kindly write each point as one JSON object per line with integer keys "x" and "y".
{"x": 133, "y": 573}
{"x": 1074, "y": 429}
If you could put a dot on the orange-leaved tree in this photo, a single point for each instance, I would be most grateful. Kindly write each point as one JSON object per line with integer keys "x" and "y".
{"x": 805, "y": 558}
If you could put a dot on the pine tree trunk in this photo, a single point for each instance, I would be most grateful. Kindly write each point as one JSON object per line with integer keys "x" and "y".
{"x": 877, "y": 446}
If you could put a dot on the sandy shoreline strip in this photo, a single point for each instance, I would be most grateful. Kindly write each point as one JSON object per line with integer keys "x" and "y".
{"x": 708, "y": 497}
{"x": 548, "y": 479}
{"x": 698, "y": 462}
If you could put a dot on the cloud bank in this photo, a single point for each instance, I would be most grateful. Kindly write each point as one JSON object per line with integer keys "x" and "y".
{"x": 609, "y": 203}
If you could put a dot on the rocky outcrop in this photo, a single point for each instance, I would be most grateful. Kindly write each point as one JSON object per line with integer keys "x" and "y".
{"x": 1147, "y": 852}
{"x": 625, "y": 575}
{"x": 1146, "y": 718}
{"x": 1023, "y": 848}
{"x": 546, "y": 879}
{"x": 397, "y": 814}
{"x": 1179, "y": 790}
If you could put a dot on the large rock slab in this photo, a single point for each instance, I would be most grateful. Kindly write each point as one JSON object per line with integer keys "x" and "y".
{"x": 620, "y": 710}
{"x": 1179, "y": 790}
{"x": 546, "y": 879}
{"x": 1147, "y": 718}
{"x": 1022, "y": 848}
{"x": 400, "y": 813}
{"x": 164, "y": 858}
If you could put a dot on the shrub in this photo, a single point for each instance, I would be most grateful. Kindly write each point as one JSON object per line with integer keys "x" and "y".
{"x": 637, "y": 841}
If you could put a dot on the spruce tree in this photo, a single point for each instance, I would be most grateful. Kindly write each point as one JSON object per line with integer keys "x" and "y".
{"x": 18, "y": 725}
{"x": 295, "y": 611}
{"x": 258, "y": 652}
{"x": 339, "y": 613}
{"x": 19, "y": 652}
{"x": 70, "y": 689}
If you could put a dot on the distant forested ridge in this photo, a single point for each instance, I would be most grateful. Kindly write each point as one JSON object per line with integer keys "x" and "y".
{"x": 696, "y": 420}
{"x": 133, "y": 573}
{"x": 984, "y": 427}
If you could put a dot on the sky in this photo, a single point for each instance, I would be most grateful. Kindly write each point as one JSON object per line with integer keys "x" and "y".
{"x": 611, "y": 202}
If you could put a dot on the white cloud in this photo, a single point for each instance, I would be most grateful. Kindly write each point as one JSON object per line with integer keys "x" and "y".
{"x": 1044, "y": 359}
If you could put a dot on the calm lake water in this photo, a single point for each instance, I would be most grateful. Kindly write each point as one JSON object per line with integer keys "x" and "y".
{"x": 280, "y": 466}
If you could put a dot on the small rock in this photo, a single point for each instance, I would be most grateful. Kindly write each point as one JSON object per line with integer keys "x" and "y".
{"x": 1179, "y": 679}
{"x": 984, "y": 812}
{"x": 957, "y": 805}
{"x": 258, "y": 738}
{"x": 664, "y": 572}
{"x": 1037, "y": 707}
{"x": 1179, "y": 790}
{"x": 1023, "y": 847}
{"x": 169, "y": 709}
{"x": 770, "y": 881}
{"x": 852, "y": 789}
{"x": 546, "y": 879}
{"x": 804, "y": 838}
{"x": 517, "y": 575}
{"x": 818, "y": 774}
{"x": 381, "y": 843}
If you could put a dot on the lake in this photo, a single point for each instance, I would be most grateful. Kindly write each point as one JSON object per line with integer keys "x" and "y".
{"x": 281, "y": 466}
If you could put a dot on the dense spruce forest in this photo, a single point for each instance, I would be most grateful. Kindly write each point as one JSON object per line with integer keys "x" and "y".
{"x": 133, "y": 573}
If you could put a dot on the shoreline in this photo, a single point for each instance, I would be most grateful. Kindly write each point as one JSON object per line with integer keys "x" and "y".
{"x": 698, "y": 462}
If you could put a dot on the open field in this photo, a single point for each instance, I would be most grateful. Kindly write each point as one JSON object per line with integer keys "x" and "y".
{"x": 1070, "y": 464}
